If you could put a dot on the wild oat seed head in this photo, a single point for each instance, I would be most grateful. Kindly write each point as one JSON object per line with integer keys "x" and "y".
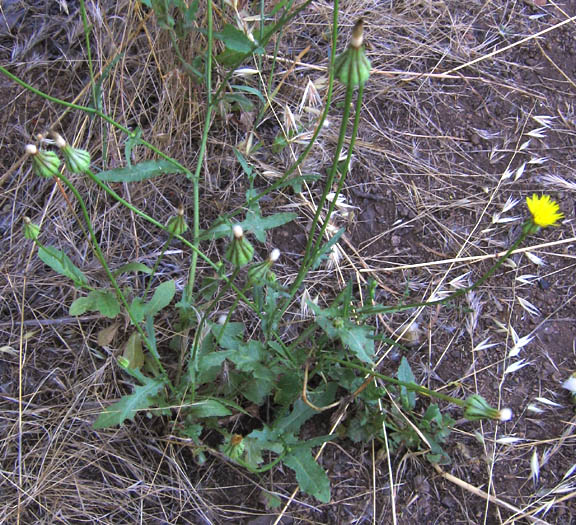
{"x": 570, "y": 384}
{"x": 545, "y": 212}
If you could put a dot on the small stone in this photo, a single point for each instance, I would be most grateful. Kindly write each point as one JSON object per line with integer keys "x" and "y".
{"x": 475, "y": 139}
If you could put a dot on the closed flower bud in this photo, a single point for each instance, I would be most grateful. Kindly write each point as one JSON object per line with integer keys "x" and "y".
{"x": 352, "y": 67}
{"x": 477, "y": 408}
{"x": 260, "y": 273}
{"x": 44, "y": 163}
{"x": 177, "y": 225}
{"x": 31, "y": 230}
{"x": 77, "y": 160}
{"x": 240, "y": 251}
{"x": 123, "y": 362}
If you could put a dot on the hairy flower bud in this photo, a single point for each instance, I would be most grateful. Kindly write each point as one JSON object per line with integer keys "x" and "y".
{"x": 177, "y": 225}
{"x": 31, "y": 230}
{"x": 240, "y": 251}
{"x": 44, "y": 163}
{"x": 352, "y": 67}
{"x": 77, "y": 160}
{"x": 478, "y": 408}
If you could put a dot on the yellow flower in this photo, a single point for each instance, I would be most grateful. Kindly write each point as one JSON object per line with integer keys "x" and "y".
{"x": 545, "y": 212}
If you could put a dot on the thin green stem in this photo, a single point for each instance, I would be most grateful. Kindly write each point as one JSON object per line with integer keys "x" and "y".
{"x": 314, "y": 243}
{"x": 409, "y": 386}
{"x": 93, "y": 111}
{"x": 309, "y": 259}
{"x": 157, "y": 263}
{"x": 102, "y": 260}
{"x": 371, "y": 310}
{"x": 86, "y": 27}
{"x": 153, "y": 221}
{"x": 207, "y": 312}
{"x": 189, "y": 289}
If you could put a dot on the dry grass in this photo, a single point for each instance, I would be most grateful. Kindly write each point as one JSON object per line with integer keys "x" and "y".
{"x": 456, "y": 92}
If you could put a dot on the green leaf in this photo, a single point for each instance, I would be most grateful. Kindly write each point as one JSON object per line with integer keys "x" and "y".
{"x": 138, "y": 310}
{"x": 137, "y": 172}
{"x": 133, "y": 351}
{"x": 234, "y": 39}
{"x": 228, "y": 336}
{"x": 210, "y": 365}
{"x": 140, "y": 399}
{"x": 246, "y": 355}
{"x": 259, "y": 440}
{"x": 405, "y": 375}
{"x": 257, "y": 389}
{"x": 258, "y": 225}
{"x": 310, "y": 476}
{"x": 243, "y": 162}
{"x": 102, "y": 301}
{"x": 217, "y": 231}
{"x": 358, "y": 339}
{"x": 251, "y": 90}
{"x": 229, "y": 58}
{"x": 208, "y": 408}
{"x": 302, "y": 412}
{"x": 62, "y": 264}
{"x": 271, "y": 500}
{"x": 289, "y": 387}
{"x": 162, "y": 297}
{"x": 132, "y": 267}
{"x": 189, "y": 14}
{"x": 239, "y": 102}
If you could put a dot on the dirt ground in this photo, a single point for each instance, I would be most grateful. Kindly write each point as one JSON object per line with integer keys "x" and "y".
{"x": 469, "y": 105}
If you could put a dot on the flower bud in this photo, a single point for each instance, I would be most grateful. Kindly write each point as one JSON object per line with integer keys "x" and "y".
{"x": 31, "y": 230}
{"x": 274, "y": 255}
{"x": 357, "y": 34}
{"x": 235, "y": 447}
{"x": 44, "y": 163}
{"x": 77, "y": 160}
{"x": 240, "y": 251}
{"x": 352, "y": 67}
{"x": 570, "y": 385}
{"x": 477, "y": 408}
{"x": 177, "y": 225}
{"x": 260, "y": 273}
{"x": 123, "y": 362}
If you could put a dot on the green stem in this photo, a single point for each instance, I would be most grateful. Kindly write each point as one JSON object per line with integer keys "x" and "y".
{"x": 86, "y": 27}
{"x": 371, "y": 310}
{"x": 327, "y": 188}
{"x": 344, "y": 173}
{"x": 303, "y": 270}
{"x": 153, "y": 221}
{"x": 157, "y": 264}
{"x": 189, "y": 289}
{"x": 208, "y": 311}
{"x": 93, "y": 111}
{"x": 313, "y": 244}
{"x": 102, "y": 260}
{"x": 409, "y": 386}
